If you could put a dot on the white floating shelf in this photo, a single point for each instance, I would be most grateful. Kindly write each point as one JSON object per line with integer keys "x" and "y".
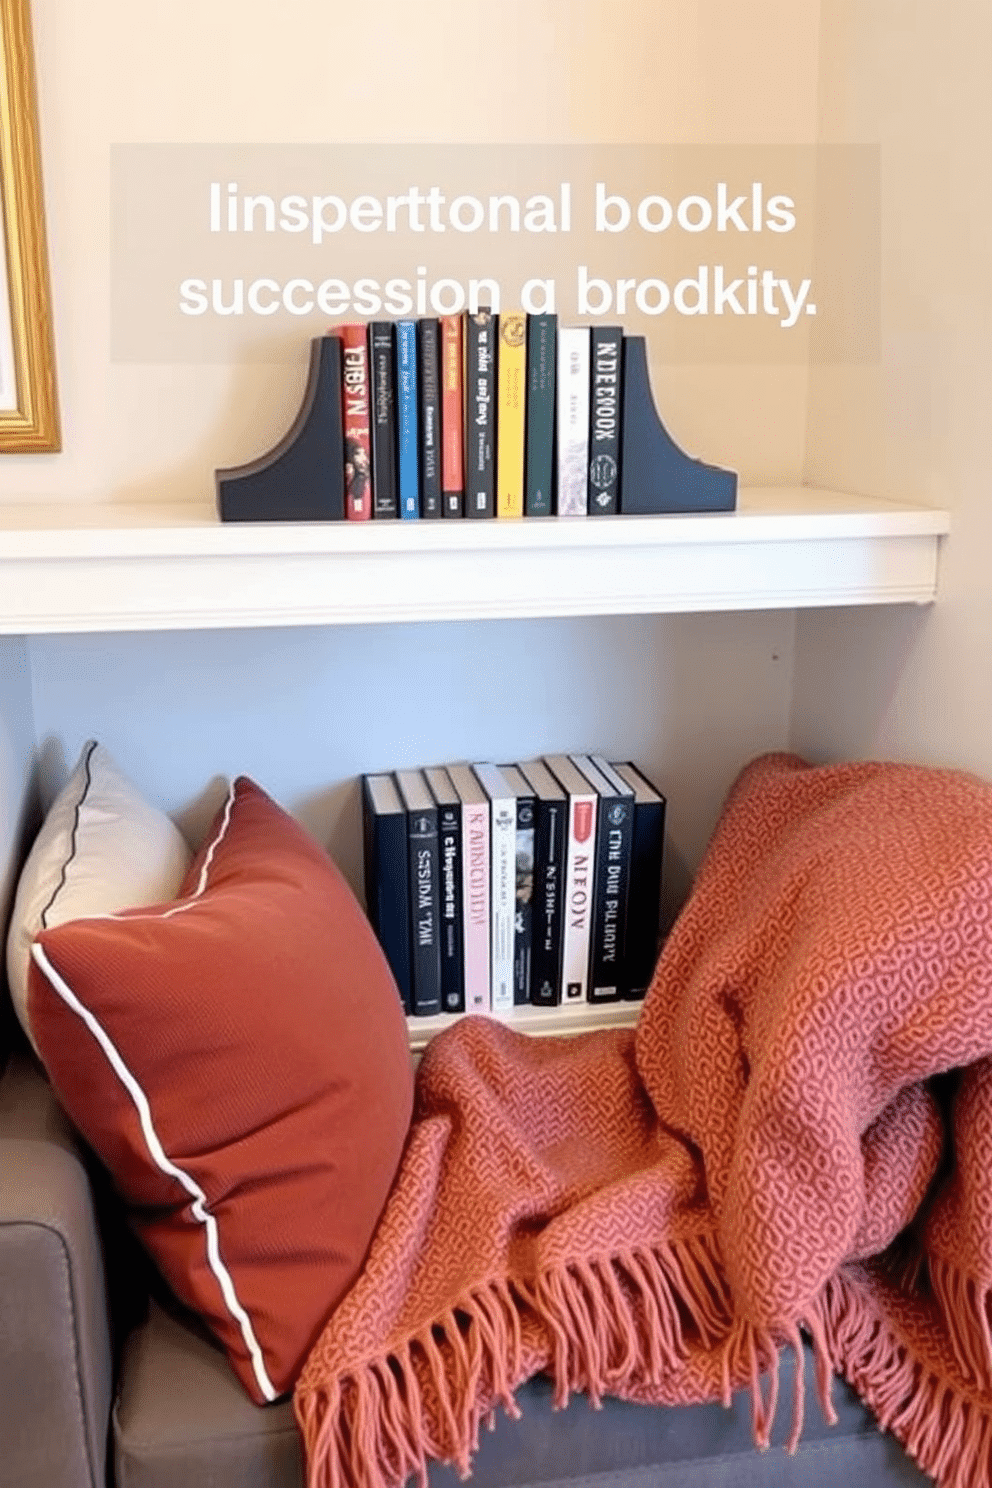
{"x": 580, "y": 1017}
{"x": 112, "y": 568}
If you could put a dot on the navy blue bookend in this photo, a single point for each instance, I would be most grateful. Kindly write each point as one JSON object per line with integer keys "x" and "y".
{"x": 655, "y": 475}
{"x": 302, "y": 478}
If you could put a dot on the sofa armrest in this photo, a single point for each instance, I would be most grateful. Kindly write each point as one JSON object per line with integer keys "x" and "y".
{"x": 55, "y": 1342}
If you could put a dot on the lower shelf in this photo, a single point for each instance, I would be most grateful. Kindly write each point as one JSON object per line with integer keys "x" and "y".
{"x": 582, "y": 1017}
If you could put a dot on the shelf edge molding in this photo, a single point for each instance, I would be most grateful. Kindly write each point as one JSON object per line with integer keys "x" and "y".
{"x": 109, "y": 568}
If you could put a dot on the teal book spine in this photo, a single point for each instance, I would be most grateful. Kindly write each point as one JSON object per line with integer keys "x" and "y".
{"x": 407, "y": 422}
{"x": 542, "y": 337}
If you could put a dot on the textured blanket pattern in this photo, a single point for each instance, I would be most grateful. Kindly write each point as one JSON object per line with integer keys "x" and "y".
{"x": 798, "y": 1135}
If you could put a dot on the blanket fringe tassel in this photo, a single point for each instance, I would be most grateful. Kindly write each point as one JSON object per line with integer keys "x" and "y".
{"x": 947, "y": 1432}
{"x": 612, "y": 1322}
{"x": 622, "y": 1322}
{"x": 964, "y": 1304}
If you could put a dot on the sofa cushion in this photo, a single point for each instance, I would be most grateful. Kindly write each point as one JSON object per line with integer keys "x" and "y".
{"x": 238, "y": 1057}
{"x": 55, "y": 1343}
{"x": 179, "y": 1418}
{"x": 101, "y": 848}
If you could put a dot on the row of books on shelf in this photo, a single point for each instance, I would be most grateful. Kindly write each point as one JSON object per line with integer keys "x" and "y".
{"x": 494, "y": 887}
{"x": 481, "y": 415}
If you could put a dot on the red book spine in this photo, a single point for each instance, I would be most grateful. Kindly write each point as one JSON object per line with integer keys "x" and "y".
{"x": 452, "y": 416}
{"x": 356, "y": 410}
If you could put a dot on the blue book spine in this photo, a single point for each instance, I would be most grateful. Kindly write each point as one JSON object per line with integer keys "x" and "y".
{"x": 406, "y": 411}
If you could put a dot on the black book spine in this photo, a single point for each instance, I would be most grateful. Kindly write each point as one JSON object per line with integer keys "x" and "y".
{"x": 549, "y": 876}
{"x": 480, "y": 414}
{"x": 387, "y": 888}
{"x": 542, "y": 355}
{"x": 452, "y": 956}
{"x": 429, "y": 389}
{"x": 605, "y": 392}
{"x": 382, "y": 361}
{"x": 425, "y": 910}
{"x": 613, "y": 849}
{"x": 644, "y": 896}
{"x": 524, "y": 911}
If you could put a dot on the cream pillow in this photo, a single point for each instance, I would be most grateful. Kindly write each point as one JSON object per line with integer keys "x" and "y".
{"x": 101, "y": 848}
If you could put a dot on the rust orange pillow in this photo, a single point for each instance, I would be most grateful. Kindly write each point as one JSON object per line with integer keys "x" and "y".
{"x": 238, "y": 1058}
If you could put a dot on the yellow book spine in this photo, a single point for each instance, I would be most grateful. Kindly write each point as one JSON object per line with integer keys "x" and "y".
{"x": 511, "y": 405}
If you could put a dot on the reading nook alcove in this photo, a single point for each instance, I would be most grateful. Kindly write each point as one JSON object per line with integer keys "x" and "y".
{"x": 796, "y": 657}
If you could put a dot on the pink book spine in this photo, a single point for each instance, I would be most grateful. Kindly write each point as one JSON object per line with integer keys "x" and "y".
{"x": 475, "y": 905}
{"x": 356, "y": 412}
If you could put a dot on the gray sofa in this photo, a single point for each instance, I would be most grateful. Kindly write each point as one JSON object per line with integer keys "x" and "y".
{"x": 103, "y": 1380}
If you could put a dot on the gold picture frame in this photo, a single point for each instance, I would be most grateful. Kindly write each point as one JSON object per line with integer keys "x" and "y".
{"x": 29, "y": 413}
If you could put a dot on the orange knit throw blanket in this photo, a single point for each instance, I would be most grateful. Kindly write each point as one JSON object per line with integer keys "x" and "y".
{"x": 797, "y": 1136}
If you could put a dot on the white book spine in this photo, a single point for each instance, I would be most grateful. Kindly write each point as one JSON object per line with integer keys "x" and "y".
{"x": 580, "y": 868}
{"x": 503, "y": 888}
{"x": 476, "y": 864}
{"x": 573, "y": 421}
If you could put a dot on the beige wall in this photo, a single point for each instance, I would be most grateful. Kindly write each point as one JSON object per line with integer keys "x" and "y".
{"x": 914, "y": 76}
{"x": 306, "y": 70}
